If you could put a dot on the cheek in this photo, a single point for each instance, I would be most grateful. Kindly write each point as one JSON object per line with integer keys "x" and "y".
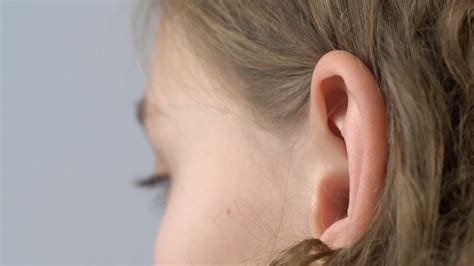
{"x": 216, "y": 216}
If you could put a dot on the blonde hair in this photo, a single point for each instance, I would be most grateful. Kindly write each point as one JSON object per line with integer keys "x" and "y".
{"x": 420, "y": 52}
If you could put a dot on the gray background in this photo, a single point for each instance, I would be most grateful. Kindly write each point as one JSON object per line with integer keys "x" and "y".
{"x": 71, "y": 147}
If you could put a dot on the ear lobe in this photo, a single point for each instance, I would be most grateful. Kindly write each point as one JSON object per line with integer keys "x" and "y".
{"x": 345, "y": 95}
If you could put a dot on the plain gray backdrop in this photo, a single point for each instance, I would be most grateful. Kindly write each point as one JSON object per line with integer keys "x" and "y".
{"x": 71, "y": 147}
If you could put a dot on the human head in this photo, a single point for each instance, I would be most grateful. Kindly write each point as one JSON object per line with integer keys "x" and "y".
{"x": 341, "y": 120}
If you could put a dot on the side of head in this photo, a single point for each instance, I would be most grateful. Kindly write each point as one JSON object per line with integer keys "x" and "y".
{"x": 350, "y": 122}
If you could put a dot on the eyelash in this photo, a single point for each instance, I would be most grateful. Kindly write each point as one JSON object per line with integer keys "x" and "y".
{"x": 153, "y": 180}
{"x": 159, "y": 182}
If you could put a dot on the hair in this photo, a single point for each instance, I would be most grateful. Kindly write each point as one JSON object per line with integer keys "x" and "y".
{"x": 420, "y": 53}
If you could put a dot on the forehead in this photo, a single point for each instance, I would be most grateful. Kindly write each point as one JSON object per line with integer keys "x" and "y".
{"x": 169, "y": 73}
{"x": 179, "y": 78}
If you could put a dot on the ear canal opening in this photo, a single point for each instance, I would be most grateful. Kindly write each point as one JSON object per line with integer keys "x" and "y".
{"x": 335, "y": 130}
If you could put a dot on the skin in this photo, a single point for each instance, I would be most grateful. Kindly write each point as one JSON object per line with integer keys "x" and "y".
{"x": 233, "y": 195}
{"x": 239, "y": 193}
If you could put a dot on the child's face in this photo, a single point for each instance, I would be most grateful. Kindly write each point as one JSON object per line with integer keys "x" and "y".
{"x": 236, "y": 190}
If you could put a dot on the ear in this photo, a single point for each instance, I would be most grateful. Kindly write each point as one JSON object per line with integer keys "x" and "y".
{"x": 348, "y": 112}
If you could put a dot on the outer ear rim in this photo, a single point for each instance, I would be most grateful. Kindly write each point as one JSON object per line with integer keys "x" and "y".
{"x": 367, "y": 162}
